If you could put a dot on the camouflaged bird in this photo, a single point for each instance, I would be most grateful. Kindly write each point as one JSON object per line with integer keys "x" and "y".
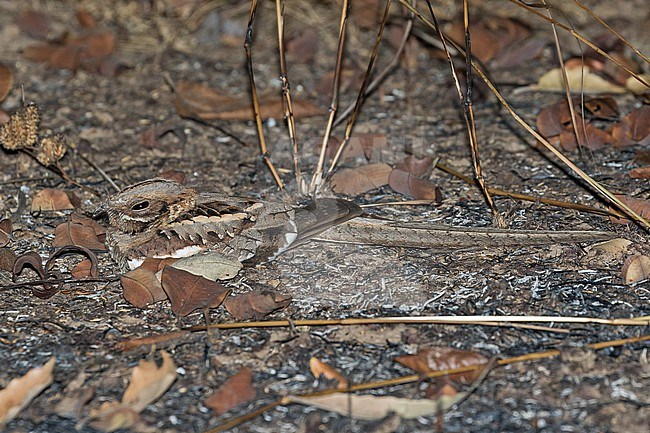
{"x": 161, "y": 218}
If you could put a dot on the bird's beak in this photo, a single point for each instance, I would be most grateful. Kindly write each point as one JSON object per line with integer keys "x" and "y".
{"x": 100, "y": 210}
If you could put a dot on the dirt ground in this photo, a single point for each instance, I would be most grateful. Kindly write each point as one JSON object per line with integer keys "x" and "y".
{"x": 582, "y": 390}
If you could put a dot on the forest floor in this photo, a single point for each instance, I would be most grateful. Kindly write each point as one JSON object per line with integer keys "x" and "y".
{"x": 415, "y": 111}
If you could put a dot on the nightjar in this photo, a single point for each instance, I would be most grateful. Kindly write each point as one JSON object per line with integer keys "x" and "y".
{"x": 162, "y": 218}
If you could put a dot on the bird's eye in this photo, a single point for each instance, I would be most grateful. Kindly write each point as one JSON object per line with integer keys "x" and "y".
{"x": 141, "y": 205}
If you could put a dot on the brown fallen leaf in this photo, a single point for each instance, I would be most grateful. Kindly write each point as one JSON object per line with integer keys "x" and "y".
{"x": 6, "y": 229}
{"x": 86, "y": 19}
{"x": 188, "y": 292}
{"x": 111, "y": 416}
{"x": 636, "y": 268}
{"x": 580, "y": 78}
{"x": 319, "y": 368}
{"x": 443, "y": 358}
{"x": 35, "y": 24}
{"x": 255, "y": 305}
{"x": 141, "y": 287}
{"x": 360, "y": 144}
{"x": 373, "y": 407}
{"x": 149, "y": 382}
{"x": 354, "y": 181}
{"x": 51, "y": 199}
{"x": 71, "y": 233}
{"x": 640, "y": 172}
{"x": 6, "y": 81}
{"x": 303, "y": 46}
{"x": 640, "y": 206}
{"x": 633, "y": 128}
{"x": 21, "y": 391}
{"x": 75, "y": 396}
{"x": 7, "y": 259}
{"x": 416, "y": 166}
{"x": 195, "y": 101}
{"x": 409, "y": 185}
{"x": 82, "y": 269}
{"x": 236, "y": 390}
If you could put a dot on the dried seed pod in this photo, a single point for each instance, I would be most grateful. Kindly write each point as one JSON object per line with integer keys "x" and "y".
{"x": 51, "y": 149}
{"x": 21, "y": 130}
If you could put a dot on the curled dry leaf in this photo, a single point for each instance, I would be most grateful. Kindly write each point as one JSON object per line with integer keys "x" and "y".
{"x": 409, "y": 185}
{"x": 71, "y": 233}
{"x": 373, "y": 407}
{"x": 149, "y": 382}
{"x": 195, "y": 101}
{"x": 187, "y": 291}
{"x": 354, "y": 181}
{"x": 255, "y": 305}
{"x": 141, "y": 287}
{"x": 319, "y": 368}
{"x": 50, "y": 199}
{"x": 6, "y": 81}
{"x": 35, "y": 24}
{"x": 6, "y": 229}
{"x": 21, "y": 391}
{"x": 442, "y": 358}
{"x": 236, "y": 390}
{"x": 636, "y": 268}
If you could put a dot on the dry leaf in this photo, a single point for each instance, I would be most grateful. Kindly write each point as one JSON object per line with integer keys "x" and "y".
{"x": 613, "y": 246}
{"x": 353, "y": 181}
{"x": 372, "y": 407}
{"x": 633, "y": 128}
{"x": 303, "y": 47}
{"x": 442, "y": 358}
{"x": 187, "y": 291}
{"x": 50, "y": 199}
{"x": 361, "y": 144}
{"x": 111, "y": 416}
{"x": 6, "y": 229}
{"x": 75, "y": 396}
{"x": 635, "y": 86}
{"x": 149, "y": 382}
{"x": 141, "y": 287}
{"x": 7, "y": 259}
{"x": 85, "y": 19}
{"x": 580, "y": 79}
{"x": 82, "y": 269}
{"x": 6, "y": 81}
{"x": 641, "y": 207}
{"x": 255, "y": 305}
{"x": 212, "y": 266}
{"x": 319, "y": 368}
{"x": 35, "y": 24}
{"x": 21, "y": 391}
{"x": 640, "y": 172}
{"x": 409, "y": 185}
{"x": 236, "y": 390}
{"x": 416, "y": 166}
{"x": 636, "y": 268}
{"x": 77, "y": 234}
{"x": 195, "y": 101}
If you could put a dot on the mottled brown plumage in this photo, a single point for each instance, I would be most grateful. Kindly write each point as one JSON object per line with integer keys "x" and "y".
{"x": 162, "y": 218}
